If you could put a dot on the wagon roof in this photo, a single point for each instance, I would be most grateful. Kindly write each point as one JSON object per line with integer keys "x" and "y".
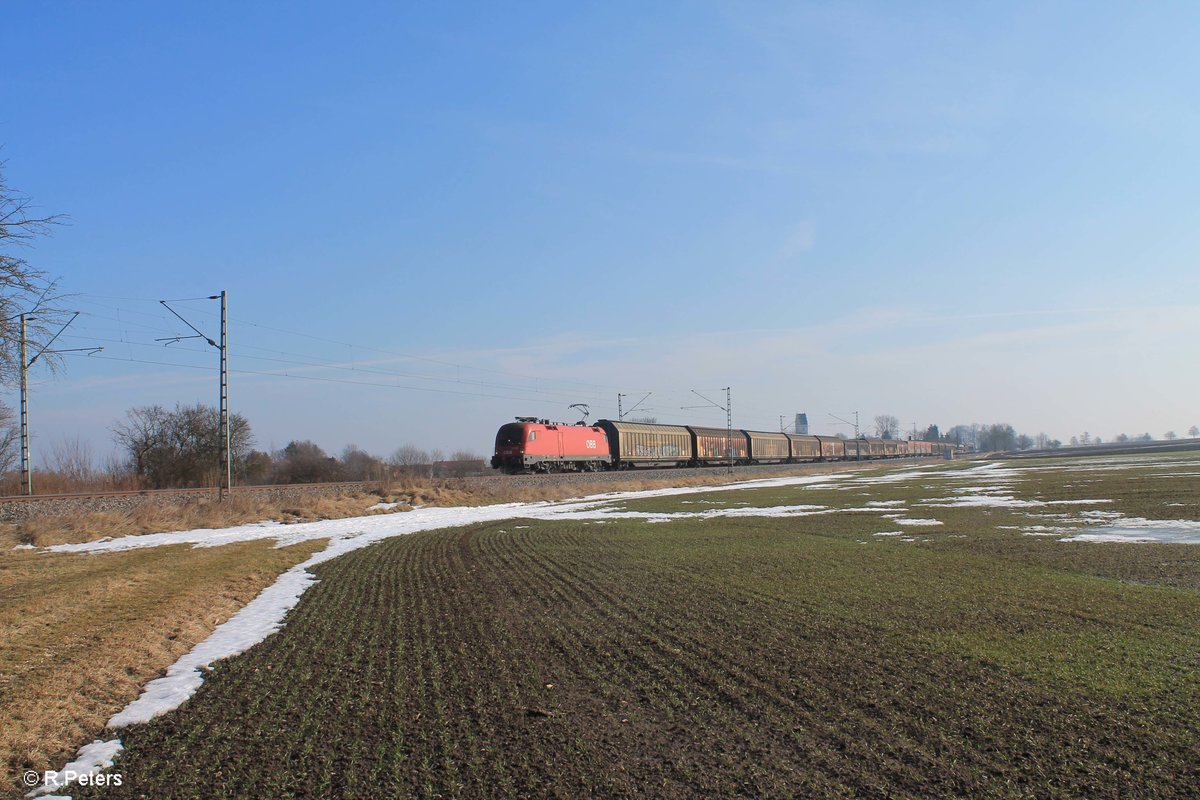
{"x": 766, "y": 435}
{"x": 712, "y": 431}
{"x": 644, "y": 427}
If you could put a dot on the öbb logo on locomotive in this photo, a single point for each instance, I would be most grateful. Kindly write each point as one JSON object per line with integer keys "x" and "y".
{"x": 538, "y": 445}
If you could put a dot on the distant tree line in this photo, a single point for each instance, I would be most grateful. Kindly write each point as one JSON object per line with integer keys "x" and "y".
{"x": 182, "y": 447}
{"x": 161, "y": 448}
{"x": 1002, "y": 436}
{"x": 997, "y": 436}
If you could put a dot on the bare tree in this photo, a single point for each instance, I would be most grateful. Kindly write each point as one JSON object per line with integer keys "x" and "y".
{"x": 1170, "y": 436}
{"x": 10, "y": 435}
{"x": 117, "y": 473}
{"x": 306, "y": 462}
{"x": 72, "y": 459}
{"x": 1193, "y": 431}
{"x": 887, "y": 426}
{"x": 407, "y": 455}
{"x": 23, "y": 288}
{"x": 257, "y": 468}
{"x": 359, "y": 465}
{"x": 410, "y": 460}
{"x": 179, "y": 448}
{"x": 999, "y": 436}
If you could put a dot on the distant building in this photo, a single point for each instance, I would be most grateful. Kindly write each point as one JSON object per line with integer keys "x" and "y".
{"x": 802, "y": 424}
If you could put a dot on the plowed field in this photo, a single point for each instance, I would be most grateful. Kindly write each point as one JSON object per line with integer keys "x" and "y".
{"x": 756, "y": 656}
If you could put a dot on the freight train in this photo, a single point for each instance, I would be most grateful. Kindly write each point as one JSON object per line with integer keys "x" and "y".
{"x": 539, "y": 445}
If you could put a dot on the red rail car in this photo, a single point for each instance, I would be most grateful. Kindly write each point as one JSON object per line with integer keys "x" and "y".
{"x": 539, "y": 445}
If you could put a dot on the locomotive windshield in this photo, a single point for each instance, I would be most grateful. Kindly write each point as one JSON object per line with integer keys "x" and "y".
{"x": 510, "y": 435}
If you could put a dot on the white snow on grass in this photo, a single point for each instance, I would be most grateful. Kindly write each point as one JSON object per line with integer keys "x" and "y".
{"x": 886, "y": 478}
{"x": 889, "y": 533}
{"x": 1038, "y": 530}
{"x": 91, "y": 759}
{"x": 1002, "y": 501}
{"x": 884, "y": 503}
{"x": 917, "y": 522}
{"x": 1141, "y": 530}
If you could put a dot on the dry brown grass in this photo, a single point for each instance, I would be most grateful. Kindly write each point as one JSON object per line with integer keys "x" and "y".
{"x": 203, "y": 512}
{"x": 81, "y": 634}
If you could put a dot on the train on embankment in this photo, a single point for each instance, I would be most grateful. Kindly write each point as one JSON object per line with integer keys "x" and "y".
{"x": 539, "y": 445}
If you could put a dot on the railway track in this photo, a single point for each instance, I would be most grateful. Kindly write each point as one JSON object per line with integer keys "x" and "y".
{"x": 209, "y": 490}
{"x": 479, "y": 480}
{"x": 14, "y": 508}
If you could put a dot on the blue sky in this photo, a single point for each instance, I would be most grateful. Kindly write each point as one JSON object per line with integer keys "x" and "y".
{"x": 949, "y": 212}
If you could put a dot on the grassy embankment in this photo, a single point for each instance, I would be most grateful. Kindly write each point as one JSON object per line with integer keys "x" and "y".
{"x": 81, "y": 634}
{"x": 759, "y": 656}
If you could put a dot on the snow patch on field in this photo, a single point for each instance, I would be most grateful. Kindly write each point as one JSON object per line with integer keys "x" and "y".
{"x": 91, "y": 759}
{"x": 1101, "y": 514}
{"x": 918, "y": 522}
{"x": 1141, "y": 530}
{"x": 1037, "y": 530}
{"x": 1001, "y": 501}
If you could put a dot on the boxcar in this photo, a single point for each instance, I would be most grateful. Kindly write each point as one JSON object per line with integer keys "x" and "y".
{"x": 767, "y": 448}
{"x": 879, "y": 447}
{"x": 641, "y": 444}
{"x": 856, "y": 449}
{"x": 832, "y": 448}
{"x": 715, "y": 445}
{"x": 804, "y": 448}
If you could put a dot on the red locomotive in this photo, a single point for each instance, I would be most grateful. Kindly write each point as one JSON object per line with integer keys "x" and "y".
{"x": 539, "y": 445}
